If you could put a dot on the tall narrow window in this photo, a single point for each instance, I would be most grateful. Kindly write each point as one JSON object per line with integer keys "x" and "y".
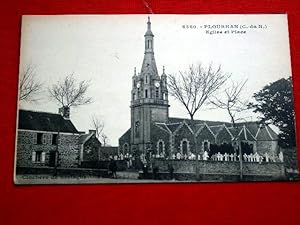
{"x": 137, "y": 129}
{"x": 138, "y": 93}
{"x": 160, "y": 147}
{"x": 184, "y": 145}
{"x": 157, "y": 92}
{"x": 206, "y": 146}
{"x": 146, "y": 93}
{"x": 148, "y": 44}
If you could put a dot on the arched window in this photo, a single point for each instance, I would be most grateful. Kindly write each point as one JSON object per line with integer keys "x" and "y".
{"x": 146, "y": 79}
{"x": 206, "y": 145}
{"x": 146, "y": 93}
{"x": 125, "y": 148}
{"x": 160, "y": 147}
{"x": 139, "y": 93}
{"x": 157, "y": 92}
{"x": 184, "y": 146}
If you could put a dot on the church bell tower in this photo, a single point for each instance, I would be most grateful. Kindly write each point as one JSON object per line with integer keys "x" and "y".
{"x": 149, "y": 97}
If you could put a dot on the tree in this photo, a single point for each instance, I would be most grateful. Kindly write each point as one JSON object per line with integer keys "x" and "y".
{"x": 29, "y": 86}
{"x": 68, "y": 92}
{"x": 99, "y": 128}
{"x": 275, "y": 103}
{"x": 230, "y": 100}
{"x": 195, "y": 86}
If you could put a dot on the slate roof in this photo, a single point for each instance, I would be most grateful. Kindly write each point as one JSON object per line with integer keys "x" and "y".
{"x": 216, "y": 129}
{"x": 44, "y": 121}
{"x": 245, "y": 130}
{"x": 188, "y": 121}
{"x": 84, "y": 137}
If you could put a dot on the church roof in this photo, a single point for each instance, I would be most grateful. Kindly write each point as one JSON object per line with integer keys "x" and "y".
{"x": 173, "y": 126}
{"x": 217, "y": 128}
{"x": 188, "y": 121}
{"x": 44, "y": 121}
{"x": 246, "y": 131}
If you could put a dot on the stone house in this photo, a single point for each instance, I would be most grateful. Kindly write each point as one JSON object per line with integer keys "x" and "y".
{"x": 48, "y": 140}
{"x": 90, "y": 147}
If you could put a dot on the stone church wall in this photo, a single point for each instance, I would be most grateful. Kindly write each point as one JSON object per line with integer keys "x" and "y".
{"x": 274, "y": 169}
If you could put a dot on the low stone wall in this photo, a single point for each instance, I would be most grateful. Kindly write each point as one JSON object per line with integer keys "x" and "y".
{"x": 64, "y": 172}
{"x": 223, "y": 169}
{"x": 103, "y": 164}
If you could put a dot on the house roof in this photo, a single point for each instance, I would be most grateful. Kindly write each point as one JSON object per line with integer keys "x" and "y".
{"x": 84, "y": 137}
{"x": 44, "y": 121}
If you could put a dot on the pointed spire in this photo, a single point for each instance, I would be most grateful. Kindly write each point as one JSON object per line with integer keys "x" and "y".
{"x": 149, "y": 32}
{"x": 164, "y": 74}
{"x": 149, "y": 23}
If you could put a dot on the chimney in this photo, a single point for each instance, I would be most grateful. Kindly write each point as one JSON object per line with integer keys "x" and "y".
{"x": 92, "y": 131}
{"x": 64, "y": 112}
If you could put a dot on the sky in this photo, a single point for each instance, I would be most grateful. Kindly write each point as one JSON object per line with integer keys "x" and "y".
{"x": 104, "y": 50}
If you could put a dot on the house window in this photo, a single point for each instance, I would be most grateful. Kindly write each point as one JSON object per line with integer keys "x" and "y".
{"x": 54, "y": 139}
{"x": 38, "y": 157}
{"x": 39, "y": 138}
{"x": 35, "y": 138}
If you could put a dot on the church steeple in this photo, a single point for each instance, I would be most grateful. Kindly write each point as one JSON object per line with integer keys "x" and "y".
{"x": 149, "y": 97}
{"x": 149, "y": 64}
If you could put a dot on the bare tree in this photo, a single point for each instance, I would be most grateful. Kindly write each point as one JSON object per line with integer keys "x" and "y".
{"x": 29, "y": 85}
{"x": 104, "y": 139}
{"x": 230, "y": 100}
{"x": 196, "y": 85}
{"x": 99, "y": 128}
{"x": 68, "y": 92}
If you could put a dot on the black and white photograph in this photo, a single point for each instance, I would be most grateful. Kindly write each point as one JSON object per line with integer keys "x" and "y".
{"x": 155, "y": 99}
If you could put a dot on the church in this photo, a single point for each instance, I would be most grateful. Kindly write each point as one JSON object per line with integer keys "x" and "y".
{"x": 153, "y": 132}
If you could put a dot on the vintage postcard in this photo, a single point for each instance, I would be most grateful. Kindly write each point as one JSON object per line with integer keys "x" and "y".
{"x": 155, "y": 98}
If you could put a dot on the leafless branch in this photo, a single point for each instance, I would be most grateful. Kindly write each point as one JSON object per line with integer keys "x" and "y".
{"x": 29, "y": 85}
{"x": 230, "y": 100}
{"x": 68, "y": 92}
{"x": 196, "y": 85}
{"x": 98, "y": 125}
